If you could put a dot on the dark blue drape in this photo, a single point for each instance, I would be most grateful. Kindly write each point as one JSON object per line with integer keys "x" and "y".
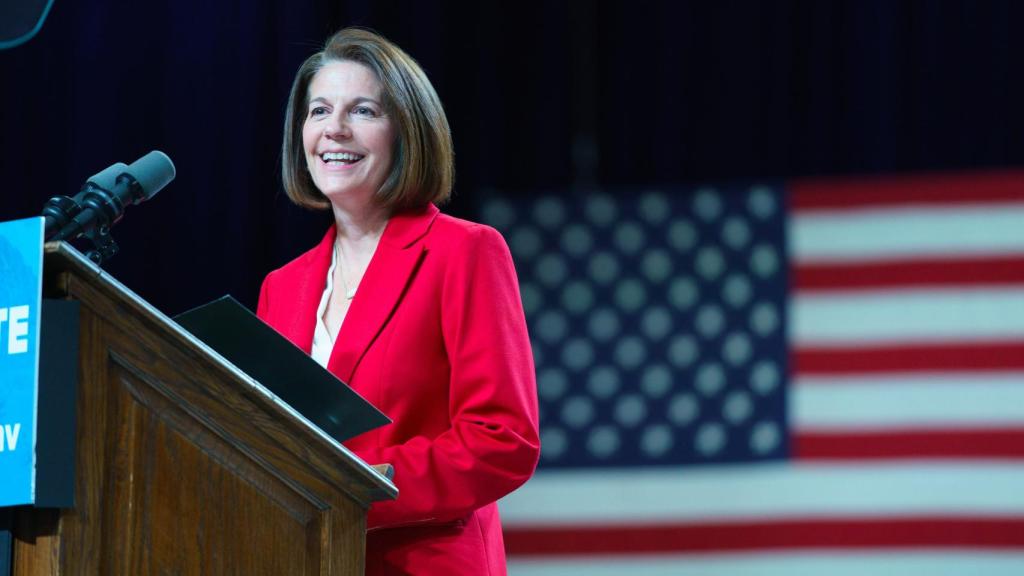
{"x": 543, "y": 95}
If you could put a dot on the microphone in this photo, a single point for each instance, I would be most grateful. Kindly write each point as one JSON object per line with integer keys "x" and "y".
{"x": 59, "y": 211}
{"x": 102, "y": 201}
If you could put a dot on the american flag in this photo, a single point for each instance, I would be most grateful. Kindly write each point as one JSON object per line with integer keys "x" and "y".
{"x": 825, "y": 377}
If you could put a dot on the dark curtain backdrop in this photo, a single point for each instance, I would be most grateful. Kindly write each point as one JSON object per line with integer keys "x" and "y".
{"x": 564, "y": 96}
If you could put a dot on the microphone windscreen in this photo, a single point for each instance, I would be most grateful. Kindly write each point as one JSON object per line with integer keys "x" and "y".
{"x": 153, "y": 171}
{"x": 106, "y": 178}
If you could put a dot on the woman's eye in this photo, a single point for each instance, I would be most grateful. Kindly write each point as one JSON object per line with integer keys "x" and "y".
{"x": 318, "y": 111}
{"x": 364, "y": 111}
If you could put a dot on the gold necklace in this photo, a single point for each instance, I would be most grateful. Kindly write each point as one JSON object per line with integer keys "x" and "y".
{"x": 350, "y": 293}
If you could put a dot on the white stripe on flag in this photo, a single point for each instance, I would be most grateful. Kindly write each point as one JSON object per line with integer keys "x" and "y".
{"x": 900, "y": 401}
{"x": 897, "y": 233}
{"x": 788, "y": 563}
{"x": 767, "y": 491}
{"x": 878, "y": 317}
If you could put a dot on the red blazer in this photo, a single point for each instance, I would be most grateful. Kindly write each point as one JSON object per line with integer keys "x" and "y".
{"x": 436, "y": 339}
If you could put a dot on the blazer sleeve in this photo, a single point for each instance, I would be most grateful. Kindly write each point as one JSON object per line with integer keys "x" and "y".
{"x": 263, "y": 304}
{"x": 493, "y": 444}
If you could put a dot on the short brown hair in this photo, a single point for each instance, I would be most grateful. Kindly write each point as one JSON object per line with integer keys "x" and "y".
{"x": 422, "y": 168}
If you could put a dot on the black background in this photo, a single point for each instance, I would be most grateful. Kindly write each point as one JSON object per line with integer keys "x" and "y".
{"x": 543, "y": 96}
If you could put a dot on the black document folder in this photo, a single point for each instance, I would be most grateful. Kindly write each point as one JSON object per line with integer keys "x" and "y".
{"x": 287, "y": 371}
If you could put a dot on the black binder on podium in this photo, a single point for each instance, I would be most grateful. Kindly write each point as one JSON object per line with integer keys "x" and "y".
{"x": 286, "y": 370}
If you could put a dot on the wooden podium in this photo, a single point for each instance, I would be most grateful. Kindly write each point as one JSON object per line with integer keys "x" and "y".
{"x": 185, "y": 465}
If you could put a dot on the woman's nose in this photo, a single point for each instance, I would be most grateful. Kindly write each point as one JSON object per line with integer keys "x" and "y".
{"x": 337, "y": 128}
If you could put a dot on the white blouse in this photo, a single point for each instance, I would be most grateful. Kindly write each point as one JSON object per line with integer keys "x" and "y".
{"x": 322, "y": 341}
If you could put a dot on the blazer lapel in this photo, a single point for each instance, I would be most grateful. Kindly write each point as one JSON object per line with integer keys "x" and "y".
{"x": 306, "y": 292}
{"x": 393, "y": 265}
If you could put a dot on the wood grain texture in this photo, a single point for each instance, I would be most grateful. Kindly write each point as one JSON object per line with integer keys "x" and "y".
{"x": 184, "y": 465}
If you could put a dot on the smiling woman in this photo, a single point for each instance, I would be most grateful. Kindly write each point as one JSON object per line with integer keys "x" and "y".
{"x": 424, "y": 168}
{"x": 347, "y": 135}
{"x": 427, "y": 324}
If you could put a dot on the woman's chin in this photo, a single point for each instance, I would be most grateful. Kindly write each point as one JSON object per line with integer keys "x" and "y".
{"x": 348, "y": 197}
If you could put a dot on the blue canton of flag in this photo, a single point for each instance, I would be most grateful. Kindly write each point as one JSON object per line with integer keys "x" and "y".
{"x": 658, "y": 324}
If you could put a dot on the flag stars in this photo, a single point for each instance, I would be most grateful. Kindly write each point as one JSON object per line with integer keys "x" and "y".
{"x": 737, "y": 348}
{"x": 553, "y": 443}
{"x": 656, "y": 381}
{"x": 710, "y": 379}
{"x": 682, "y": 235}
{"x": 630, "y": 295}
{"x": 630, "y": 238}
{"x": 764, "y": 261}
{"x": 654, "y": 208}
{"x": 603, "y": 441}
{"x": 710, "y": 439}
{"x": 552, "y": 384}
{"x": 656, "y": 323}
{"x": 683, "y": 293}
{"x": 710, "y": 263}
{"x": 656, "y": 265}
{"x": 764, "y": 319}
{"x": 525, "y": 243}
{"x": 601, "y": 210}
{"x": 630, "y": 410}
{"x": 630, "y": 352}
{"x": 577, "y": 240}
{"x": 499, "y": 213}
{"x": 735, "y": 232}
{"x": 611, "y": 291}
{"x": 577, "y": 297}
{"x": 656, "y": 441}
{"x": 707, "y": 204}
{"x": 683, "y": 409}
{"x": 710, "y": 321}
{"x": 551, "y": 326}
{"x": 737, "y": 407}
{"x": 765, "y": 377}
{"x": 578, "y": 412}
{"x": 736, "y": 290}
{"x": 578, "y": 354}
{"x": 551, "y": 270}
{"x": 761, "y": 202}
{"x": 683, "y": 351}
{"x": 549, "y": 212}
{"x": 765, "y": 438}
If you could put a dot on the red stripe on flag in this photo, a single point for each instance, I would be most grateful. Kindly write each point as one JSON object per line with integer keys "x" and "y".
{"x": 886, "y": 533}
{"x": 941, "y": 443}
{"x": 934, "y": 189}
{"x": 979, "y": 271}
{"x": 970, "y": 357}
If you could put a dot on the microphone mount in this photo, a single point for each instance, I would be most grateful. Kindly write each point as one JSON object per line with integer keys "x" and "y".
{"x": 102, "y": 201}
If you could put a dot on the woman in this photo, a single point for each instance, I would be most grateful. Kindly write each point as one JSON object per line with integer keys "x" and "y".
{"x": 417, "y": 311}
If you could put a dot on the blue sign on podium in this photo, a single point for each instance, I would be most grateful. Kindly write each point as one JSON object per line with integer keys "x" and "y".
{"x": 21, "y": 266}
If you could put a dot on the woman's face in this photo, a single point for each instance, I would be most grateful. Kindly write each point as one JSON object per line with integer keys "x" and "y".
{"x": 347, "y": 137}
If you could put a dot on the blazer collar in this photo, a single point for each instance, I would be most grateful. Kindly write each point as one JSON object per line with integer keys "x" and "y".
{"x": 391, "y": 269}
{"x": 407, "y": 227}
